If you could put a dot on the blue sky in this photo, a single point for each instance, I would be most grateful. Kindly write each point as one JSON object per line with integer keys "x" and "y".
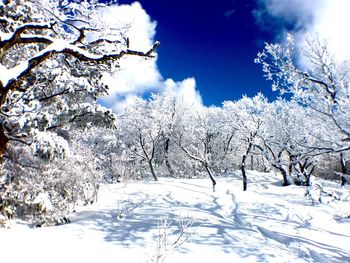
{"x": 208, "y": 48}
{"x": 214, "y": 42}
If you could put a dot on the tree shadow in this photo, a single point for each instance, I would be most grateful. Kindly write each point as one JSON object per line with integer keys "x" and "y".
{"x": 291, "y": 235}
{"x": 240, "y": 232}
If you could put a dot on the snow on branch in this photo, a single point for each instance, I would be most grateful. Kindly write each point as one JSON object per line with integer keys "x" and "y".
{"x": 9, "y": 77}
{"x": 15, "y": 37}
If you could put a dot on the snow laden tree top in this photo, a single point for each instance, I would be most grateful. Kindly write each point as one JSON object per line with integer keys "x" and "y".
{"x": 320, "y": 81}
{"x": 53, "y": 55}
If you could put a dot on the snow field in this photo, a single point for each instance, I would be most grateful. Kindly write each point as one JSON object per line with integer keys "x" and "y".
{"x": 268, "y": 223}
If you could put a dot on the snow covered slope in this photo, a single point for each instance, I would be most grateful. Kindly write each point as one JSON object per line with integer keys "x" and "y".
{"x": 139, "y": 222}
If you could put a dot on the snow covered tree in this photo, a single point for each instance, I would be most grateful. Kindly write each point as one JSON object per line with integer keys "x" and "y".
{"x": 167, "y": 110}
{"x": 286, "y": 139}
{"x": 141, "y": 133}
{"x": 53, "y": 55}
{"x": 106, "y": 148}
{"x": 196, "y": 137}
{"x": 247, "y": 115}
{"x": 154, "y": 131}
{"x": 321, "y": 82}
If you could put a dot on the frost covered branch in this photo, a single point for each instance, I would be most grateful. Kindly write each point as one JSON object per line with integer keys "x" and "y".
{"x": 170, "y": 238}
{"x": 53, "y": 54}
{"x": 129, "y": 207}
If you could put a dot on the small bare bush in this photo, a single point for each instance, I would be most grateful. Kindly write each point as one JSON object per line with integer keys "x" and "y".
{"x": 171, "y": 237}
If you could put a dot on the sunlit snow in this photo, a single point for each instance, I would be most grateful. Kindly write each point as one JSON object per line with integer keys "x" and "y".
{"x": 268, "y": 223}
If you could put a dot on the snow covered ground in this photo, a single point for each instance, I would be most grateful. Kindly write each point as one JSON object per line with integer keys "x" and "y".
{"x": 268, "y": 223}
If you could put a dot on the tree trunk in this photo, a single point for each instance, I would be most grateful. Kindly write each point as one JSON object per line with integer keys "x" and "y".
{"x": 152, "y": 170}
{"x": 285, "y": 176}
{"x": 343, "y": 170}
{"x": 210, "y": 175}
{"x": 307, "y": 178}
{"x": 3, "y": 144}
{"x": 243, "y": 163}
{"x": 167, "y": 163}
{"x": 290, "y": 169}
{"x": 244, "y": 175}
{"x": 244, "y": 178}
{"x": 303, "y": 171}
{"x": 148, "y": 157}
{"x": 168, "y": 166}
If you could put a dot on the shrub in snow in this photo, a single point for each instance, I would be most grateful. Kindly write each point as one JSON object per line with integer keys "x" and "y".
{"x": 170, "y": 237}
{"x": 43, "y": 192}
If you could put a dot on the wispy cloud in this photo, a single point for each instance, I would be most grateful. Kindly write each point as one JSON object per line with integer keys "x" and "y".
{"x": 229, "y": 13}
{"x": 329, "y": 19}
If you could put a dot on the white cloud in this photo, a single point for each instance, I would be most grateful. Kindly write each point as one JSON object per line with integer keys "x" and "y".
{"x": 138, "y": 76}
{"x": 135, "y": 75}
{"x": 137, "y": 24}
{"x": 332, "y": 22}
{"x": 186, "y": 90}
{"x": 329, "y": 19}
{"x": 121, "y": 103}
{"x": 290, "y": 11}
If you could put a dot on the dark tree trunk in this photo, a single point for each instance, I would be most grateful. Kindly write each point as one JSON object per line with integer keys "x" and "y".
{"x": 243, "y": 164}
{"x": 244, "y": 175}
{"x": 210, "y": 175}
{"x": 3, "y": 144}
{"x": 167, "y": 163}
{"x": 290, "y": 169}
{"x": 308, "y": 174}
{"x": 343, "y": 170}
{"x": 342, "y": 180}
{"x": 285, "y": 176}
{"x": 148, "y": 157}
{"x": 303, "y": 171}
{"x": 342, "y": 162}
{"x": 152, "y": 170}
